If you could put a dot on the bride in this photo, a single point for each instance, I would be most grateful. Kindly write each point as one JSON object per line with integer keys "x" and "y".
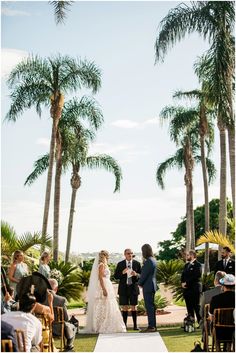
{"x": 103, "y": 313}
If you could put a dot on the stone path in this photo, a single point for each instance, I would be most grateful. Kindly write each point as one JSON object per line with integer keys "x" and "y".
{"x": 130, "y": 342}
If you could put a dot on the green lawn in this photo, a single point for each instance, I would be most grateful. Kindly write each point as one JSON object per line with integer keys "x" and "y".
{"x": 180, "y": 302}
{"x": 75, "y": 304}
{"x": 176, "y": 340}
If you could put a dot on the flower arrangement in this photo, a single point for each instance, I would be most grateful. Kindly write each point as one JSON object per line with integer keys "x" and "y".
{"x": 57, "y": 275}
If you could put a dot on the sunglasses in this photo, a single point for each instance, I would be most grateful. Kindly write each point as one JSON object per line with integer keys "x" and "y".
{"x": 129, "y": 253}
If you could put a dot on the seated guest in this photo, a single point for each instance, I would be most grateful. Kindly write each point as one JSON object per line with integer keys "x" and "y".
{"x": 18, "y": 269}
{"x": 224, "y": 300}
{"x": 8, "y": 333}
{"x": 44, "y": 269}
{"x": 24, "y": 320}
{"x": 70, "y": 329}
{"x": 7, "y": 302}
{"x": 226, "y": 264}
{"x": 207, "y": 295}
{"x": 45, "y": 309}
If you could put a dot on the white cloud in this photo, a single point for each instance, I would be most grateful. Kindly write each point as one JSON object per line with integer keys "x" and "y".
{"x": 131, "y": 124}
{"x": 10, "y": 58}
{"x": 43, "y": 141}
{"x": 10, "y": 12}
{"x": 109, "y": 148}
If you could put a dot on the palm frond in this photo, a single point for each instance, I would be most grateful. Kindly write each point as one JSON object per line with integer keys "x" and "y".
{"x": 27, "y": 240}
{"x": 176, "y": 160}
{"x": 215, "y": 237}
{"x": 61, "y": 8}
{"x": 40, "y": 166}
{"x": 109, "y": 164}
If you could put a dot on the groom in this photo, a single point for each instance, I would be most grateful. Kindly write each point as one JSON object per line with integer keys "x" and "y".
{"x": 127, "y": 272}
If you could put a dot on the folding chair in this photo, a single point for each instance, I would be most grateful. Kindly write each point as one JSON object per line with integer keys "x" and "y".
{"x": 20, "y": 337}
{"x": 59, "y": 320}
{"x": 223, "y": 319}
{"x": 207, "y": 328}
{"x": 47, "y": 343}
{"x": 6, "y": 345}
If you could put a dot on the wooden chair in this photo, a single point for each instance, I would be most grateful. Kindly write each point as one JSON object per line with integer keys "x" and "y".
{"x": 20, "y": 337}
{"x": 47, "y": 342}
{"x": 6, "y": 345}
{"x": 223, "y": 319}
{"x": 59, "y": 320}
{"x": 207, "y": 329}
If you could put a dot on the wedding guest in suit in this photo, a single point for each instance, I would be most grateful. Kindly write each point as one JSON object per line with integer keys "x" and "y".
{"x": 147, "y": 281}
{"x": 127, "y": 272}
{"x": 8, "y": 333}
{"x": 226, "y": 264}
{"x": 70, "y": 329}
{"x": 190, "y": 281}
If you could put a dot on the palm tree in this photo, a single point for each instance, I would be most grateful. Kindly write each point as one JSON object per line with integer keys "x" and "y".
{"x": 183, "y": 131}
{"x": 74, "y": 149}
{"x": 214, "y": 20}
{"x": 205, "y": 130}
{"x": 218, "y": 238}
{"x": 11, "y": 242}
{"x": 60, "y": 10}
{"x": 37, "y": 82}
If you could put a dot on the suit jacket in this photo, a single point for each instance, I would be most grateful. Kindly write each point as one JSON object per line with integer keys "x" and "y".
{"x": 230, "y": 267}
{"x": 8, "y": 333}
{"x": 147, "y": 278}
{"x": 207, "y": 296}
{"x": 192, "y": 275}
{"x": 122, "y": 288}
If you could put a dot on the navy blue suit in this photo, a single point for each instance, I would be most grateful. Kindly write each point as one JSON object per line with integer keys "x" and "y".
{"x": 147, "y": 280}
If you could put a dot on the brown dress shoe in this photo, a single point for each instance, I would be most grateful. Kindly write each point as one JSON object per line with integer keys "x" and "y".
{"x": 148, "y": 329}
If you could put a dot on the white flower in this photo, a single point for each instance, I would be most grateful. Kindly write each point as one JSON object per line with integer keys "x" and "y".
{"x": 57, "y": 275}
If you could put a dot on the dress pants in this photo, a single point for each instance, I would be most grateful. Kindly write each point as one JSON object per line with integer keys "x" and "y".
{"x": 192, "y": 300}
{"x": 150, "y": 307}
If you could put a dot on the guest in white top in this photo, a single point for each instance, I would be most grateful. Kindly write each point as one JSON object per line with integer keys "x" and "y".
{"x": 24, "y": 320}
{"x": 44, "y": 269}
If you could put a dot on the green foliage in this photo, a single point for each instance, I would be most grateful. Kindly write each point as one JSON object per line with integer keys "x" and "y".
{"x": 169, "y": 250}
{"x": 84, "y": 278}
{"x": 87, "y": 265}
{"x": 166, "y": 270}
{"x": 208, "y": 281}
{"x": 159, "y": 301}
{"x": 176, "y": 287}
{"x": 71, "y": 286}
{"x": 26, "y": 242}
{"x": 61, "y": 8}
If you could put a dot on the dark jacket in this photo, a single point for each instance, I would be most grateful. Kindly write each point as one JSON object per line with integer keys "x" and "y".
{"x": 207, "y": 296}
{"x": 122, "y": 288}
{"x": 8, "y": 333}
{"x": 147, "y": 279}
{"x": 230, "y": 267}
{"x": 192, "y": 275}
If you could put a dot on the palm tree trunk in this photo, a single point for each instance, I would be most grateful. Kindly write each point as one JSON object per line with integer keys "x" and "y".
{"x": 49, "y": 182}
{"x": 192, "y": 216}
{"x": 231, "y": 143}
{"x": 206, "y": 201}
{"x": 57, "y": 195}
{"x": 70, "y": 223}
{"x": 188, "y": 219}
{"x": 223, "y": 200}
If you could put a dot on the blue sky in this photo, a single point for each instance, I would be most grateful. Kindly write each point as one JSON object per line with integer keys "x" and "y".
{"x": 119, "y": 37}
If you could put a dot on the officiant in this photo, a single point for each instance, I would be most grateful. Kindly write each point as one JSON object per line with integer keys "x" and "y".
{"x": 127, "y": 272}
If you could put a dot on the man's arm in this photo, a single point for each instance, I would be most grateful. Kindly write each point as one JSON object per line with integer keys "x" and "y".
{"x": 144, "y": 273}
{"x": 195, "y": 274}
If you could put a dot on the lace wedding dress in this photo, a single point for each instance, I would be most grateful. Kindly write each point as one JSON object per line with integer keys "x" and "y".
{"x": 103, "y": 313}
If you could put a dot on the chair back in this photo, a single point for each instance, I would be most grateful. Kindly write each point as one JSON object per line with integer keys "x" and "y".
{"x": 6, "y": 345}
{"x": 20, "y": 337}
{"x": 46, "y": 344}
{"x": 223, "y": 317}
{"x": 59, "y": 320}
{"x": 223, "y": 328}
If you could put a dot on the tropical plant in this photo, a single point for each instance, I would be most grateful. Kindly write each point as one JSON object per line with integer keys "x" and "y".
{"x": 74, "y": 143}
{"x": 61, "y": 8}
{"x": 70, "y": 286}
{"x": 205, "y": 130}
{"x": 84, "y": 278}
{"x": 215, "y": 237}
{"x": 168, "y": 269}
{"x": 183, "y": 131}
{"x": 159, "y": 302}
{"x": 37, "y": 82}
{"x": 11, "y": 242}
{"x": 214, "y": 20}
{"x": 208, "y": 281}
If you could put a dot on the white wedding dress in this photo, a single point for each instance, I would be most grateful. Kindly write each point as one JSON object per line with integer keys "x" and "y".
{"x": 103, "y": 313}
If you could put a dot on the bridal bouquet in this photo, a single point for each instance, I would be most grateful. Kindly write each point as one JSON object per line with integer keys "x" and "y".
{"x": 57, "y": 275}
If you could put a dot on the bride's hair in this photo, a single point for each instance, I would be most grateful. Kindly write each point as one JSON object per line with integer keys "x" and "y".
{"x": 102, "y": 256}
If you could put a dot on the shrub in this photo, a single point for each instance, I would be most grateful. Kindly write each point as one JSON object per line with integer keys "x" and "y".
{"x": 159, "y": 301}
{"x": 166, "y": 270}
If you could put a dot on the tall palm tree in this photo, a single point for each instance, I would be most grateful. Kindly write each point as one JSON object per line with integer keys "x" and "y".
{"x": 61, "y": 8}
{"x": 74, "y": 150}
{"x": 38, "y": 82}
{"x": 214, "y": 20}
{"x": 205, "y": 130}
{"x": 183, "y": 131}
